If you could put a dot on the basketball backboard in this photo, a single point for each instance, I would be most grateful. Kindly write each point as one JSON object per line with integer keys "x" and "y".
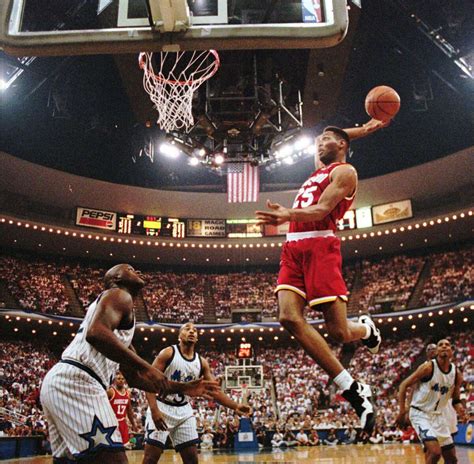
{"x": 73, "y": 27}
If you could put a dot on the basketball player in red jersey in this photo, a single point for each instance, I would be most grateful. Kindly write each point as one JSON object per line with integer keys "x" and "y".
{"x": 310, "y": 266}
{"x": 119, "y": 397}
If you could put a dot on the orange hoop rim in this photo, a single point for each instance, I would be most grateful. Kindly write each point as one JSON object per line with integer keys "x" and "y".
{"x": 217, "y": 63}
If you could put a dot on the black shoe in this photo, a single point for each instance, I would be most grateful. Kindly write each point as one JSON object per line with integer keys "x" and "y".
{"x": 360, "y": 397}
{"x": 375, "y": 339}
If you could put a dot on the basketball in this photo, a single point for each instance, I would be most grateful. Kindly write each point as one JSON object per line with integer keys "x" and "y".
{"x": 382, "y": 103}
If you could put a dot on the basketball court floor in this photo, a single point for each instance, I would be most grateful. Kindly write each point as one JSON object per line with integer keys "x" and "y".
{"x": 352, "y": 454}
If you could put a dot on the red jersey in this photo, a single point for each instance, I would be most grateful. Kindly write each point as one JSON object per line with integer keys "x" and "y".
{"x": 310, "y": 193}
{"x": 119, "y": 403}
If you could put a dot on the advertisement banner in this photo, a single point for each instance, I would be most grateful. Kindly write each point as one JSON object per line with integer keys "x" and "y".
{"x": 390, "y": 212}
{"x": 271, "y": 231}
{"x": 96, "y": 218}
{"x": 205, "y": 228}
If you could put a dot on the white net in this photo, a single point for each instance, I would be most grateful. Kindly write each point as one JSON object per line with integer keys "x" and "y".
{"x": 172, "y": 86}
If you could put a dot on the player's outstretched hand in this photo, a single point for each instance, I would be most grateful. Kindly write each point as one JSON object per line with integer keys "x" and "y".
{"x": 205, "y": 388}
{"x": 159, "y": 421}
{"x": 150, "y": 379}
{"x": 244, "y": 410}
{"x": 461, "y": 413}
{"x": 278, "y": 214}
{"x": 402, "y": 419}
{"x": 374, "y": 125}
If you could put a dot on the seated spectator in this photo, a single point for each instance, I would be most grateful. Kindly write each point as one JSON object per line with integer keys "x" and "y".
{"x": 376, "y": 437}
{"x": 313, "y": 438}
{"x": 302, "y": 438}
{"x": 277, "y": 440}
{"x": 331, "y": 439}
{"x": 408, "y": 435}
{"x": 350, "y": 436}
{"x": 207, "y": 440}
{"x": 289, "y": 438}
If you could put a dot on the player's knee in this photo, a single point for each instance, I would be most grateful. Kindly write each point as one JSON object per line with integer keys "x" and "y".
{"x": 434, "y": 455}
{"x": 450, "y": 459}
{"x": 152, "y": 455}
{"x": 290, "y": 321}
{"x": 190, "y": 456}
{"x": 148, "y": 459}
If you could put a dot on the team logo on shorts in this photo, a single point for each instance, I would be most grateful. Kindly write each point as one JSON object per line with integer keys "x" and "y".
{"x": 100, "y": 437}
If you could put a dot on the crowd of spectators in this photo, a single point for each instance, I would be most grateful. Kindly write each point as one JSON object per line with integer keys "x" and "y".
{"x": 391, "y": 278}
{"x": 22, "y": 367}
{"x": 86, "y": 282}
{"x": 298, "y": 403}
{"x": 451, "y": 277}
{"x": 34, "y": 284}
{"x": 170, "y": 296}
{"x": 244, "y": 290}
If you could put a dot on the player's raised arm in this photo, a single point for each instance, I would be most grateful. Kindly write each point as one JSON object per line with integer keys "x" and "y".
{"x": 368, "y": 128}
{"x": 343, "y": 184}
{"x": 220, "y": 396}
{"x": 424, "y": 371}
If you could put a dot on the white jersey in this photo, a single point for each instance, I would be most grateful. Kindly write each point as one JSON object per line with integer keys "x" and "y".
{"x": 181, "y": 369}
{"x": 432, "y": 395}
{"x": 82, "y": 352}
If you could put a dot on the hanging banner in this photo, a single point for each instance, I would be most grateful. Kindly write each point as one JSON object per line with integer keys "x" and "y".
{"x": 390, "y": 212}
{"x": 205, "y": 228}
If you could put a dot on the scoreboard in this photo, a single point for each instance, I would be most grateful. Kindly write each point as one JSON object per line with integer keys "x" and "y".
{"x": 245, "y": 351}
{"x": 152, "y": 226}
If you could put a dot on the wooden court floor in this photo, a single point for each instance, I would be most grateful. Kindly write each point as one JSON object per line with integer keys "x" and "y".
{"x": 352, "y": 454}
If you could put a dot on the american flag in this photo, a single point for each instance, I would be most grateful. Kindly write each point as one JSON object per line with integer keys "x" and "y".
{"x": 242, "y": 183}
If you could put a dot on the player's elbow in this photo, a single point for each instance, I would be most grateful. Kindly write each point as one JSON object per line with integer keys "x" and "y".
{"x": 93, "y": 337}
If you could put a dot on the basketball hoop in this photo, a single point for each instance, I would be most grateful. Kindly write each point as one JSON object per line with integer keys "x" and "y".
{"x": 171, "y": 89}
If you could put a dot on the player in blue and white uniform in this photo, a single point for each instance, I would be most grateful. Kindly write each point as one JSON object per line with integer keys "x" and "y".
{"x": 81, "y": 421}
{"x": 172, "y": 414}
{"x": 436, "y": 382}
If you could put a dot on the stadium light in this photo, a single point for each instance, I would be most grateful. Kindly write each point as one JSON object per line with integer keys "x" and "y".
{"x": 169, "y": 150}
{"x": 302, "y": 143}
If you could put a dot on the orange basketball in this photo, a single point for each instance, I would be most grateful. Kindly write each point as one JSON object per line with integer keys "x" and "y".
{"x": 382, "y": 103}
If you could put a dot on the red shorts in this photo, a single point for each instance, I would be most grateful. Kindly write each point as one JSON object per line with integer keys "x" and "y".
{"x": 123, "y": 428}
{"x": 312, "y": 268}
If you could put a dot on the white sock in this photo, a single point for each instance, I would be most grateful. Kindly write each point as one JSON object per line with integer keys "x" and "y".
{"x": 367, "y": 331}
{"x": 344, "y": 380}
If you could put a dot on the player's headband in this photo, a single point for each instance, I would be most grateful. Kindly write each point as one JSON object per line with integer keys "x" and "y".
{"x": 339, "y": 131}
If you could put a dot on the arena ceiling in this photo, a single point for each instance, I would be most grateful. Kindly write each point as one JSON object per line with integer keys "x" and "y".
{"x": 86, "y": 114}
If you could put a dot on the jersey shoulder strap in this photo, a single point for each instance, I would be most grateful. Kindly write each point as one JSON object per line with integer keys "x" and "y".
{"x": 429, "y": 377}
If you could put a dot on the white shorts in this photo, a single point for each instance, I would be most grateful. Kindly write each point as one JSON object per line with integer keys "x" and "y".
{"x": 80, "y": 418}
{"x": 451, "y": 417}
{"x": 182, "y": 427}
{"x": 431, "y": 427}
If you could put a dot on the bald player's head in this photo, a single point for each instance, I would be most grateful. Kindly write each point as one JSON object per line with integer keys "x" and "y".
{"x": 431, "y": 351}
{"x": 123, "y": 275}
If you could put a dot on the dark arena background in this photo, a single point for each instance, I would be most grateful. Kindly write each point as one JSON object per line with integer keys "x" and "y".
{"x": 89, "y": 180}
